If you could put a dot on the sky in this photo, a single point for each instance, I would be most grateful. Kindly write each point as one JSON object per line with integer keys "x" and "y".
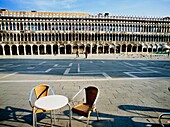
{"x": 144, "y": 8}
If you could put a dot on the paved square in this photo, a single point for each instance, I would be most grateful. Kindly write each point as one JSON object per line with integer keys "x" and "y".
{"x": 133, "y": 92}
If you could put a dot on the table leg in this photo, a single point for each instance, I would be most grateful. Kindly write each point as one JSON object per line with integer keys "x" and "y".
{"x": 54, "y": 117}
{"x": 51, "y": 118}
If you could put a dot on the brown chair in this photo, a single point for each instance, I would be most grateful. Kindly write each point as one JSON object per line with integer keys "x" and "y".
{"x": 36, "y": 93}
{"x": 89, "y": 105}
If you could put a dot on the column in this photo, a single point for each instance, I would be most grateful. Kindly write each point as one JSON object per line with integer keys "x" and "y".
{"x": 120, "y": 48}
{"x": 71, "y": 48}
{"x": 52, "y": 49}
{"x": 103, "y": 49}
{"x": 44, "y": 48}
{"x": 38, "y": 49}
{"x": 24, "y": 49}
{"x": 17, "y": 49}
{"x": 31, "y": 49}
{"x": 84, "y": 48}
{"x": 126, "y": 48}
{"x": 10, "y": 48}
{"x": 3, "y": 49}
{"x": 137, "y": 48}
{"x": 97, "y": 50}
{"x": 91, "y": 46}
{"x": 64, "y": 49}
{"x": 58, "y": 48}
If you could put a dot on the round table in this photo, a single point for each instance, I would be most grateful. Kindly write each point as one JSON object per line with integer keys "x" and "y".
{"x": 51, "y": 102}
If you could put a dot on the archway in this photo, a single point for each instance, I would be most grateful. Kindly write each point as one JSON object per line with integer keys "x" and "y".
{"x": 21, "y": 49}
{"x": 106, "y": 49}
{"x": 62, "y": 49}
{"x": 134, "y": 48}
{"x": 14, "y": 50}
{"x": 81, "y": 49}
{"x": 94, "y": 49}
{"x": 75, "y": 48}
{"x": 48, "y": 49}
{"x": 41, "y": 48}
{"x": 139, "y": 48}
{"x": 88, "y": 48}
{"x": 100, "y": 49}
{"x": 35, "y": 49}
{"x": 55, "y": 49}
{"x": 124, "y": 48}
{"x": 68, "y": 49}
{"x": 28, "y": 49}
{"x": 7, "y": 49}
{"x": 129, "y": 48}
{"x": 1, "y": 50}
{"x": 118, "y": 49}
{"x": 112, "y": 48}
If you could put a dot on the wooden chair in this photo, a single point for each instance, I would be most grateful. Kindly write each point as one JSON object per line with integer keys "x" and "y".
{"x": 38, "y": 92}
{"x": 89, "y": 105}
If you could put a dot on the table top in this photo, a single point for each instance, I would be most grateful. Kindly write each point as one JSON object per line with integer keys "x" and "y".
{"x": 51, "y": 102}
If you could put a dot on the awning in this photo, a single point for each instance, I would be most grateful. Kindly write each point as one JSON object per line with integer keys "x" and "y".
{"x": 111, "y": 46}
{"x": 159, "y": 46}
{"x": 166, "y": 47}
{"x": 154, "y": 46}
{"x": 144, "y": 46}
{"x": 149, "y": 46}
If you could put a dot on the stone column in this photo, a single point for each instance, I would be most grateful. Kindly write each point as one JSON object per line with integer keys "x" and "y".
{"x": 17, "y": 49}
{"x": 58, "y": 48}
{"x": 10, "y": 49}
{"x": 3, "y": 49}
{"x": 115, "y": 49}
{"x": 38, "y": 49}
{"x": 24, "y": 49}
{"x": 45, "y": 49}
{"x": 97, "y": 49}
{"x": 84, "y": 48}
{"x": 91, "y": 47}
{"x": 120, "y": 48}
{"x": 126, "y": 48}
{"x": 64, "y": 49}
{"x": 52, "y": 49}
{"x": 71, "y": 48}
{"x": 31, "y": 49}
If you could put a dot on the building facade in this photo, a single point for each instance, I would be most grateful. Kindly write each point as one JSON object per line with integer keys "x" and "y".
{"x": 37, "y": 33}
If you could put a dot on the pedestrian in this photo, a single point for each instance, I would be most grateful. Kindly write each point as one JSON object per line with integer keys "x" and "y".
{"x": 168, "y": 52}
{"x": 86, "y": 53}
{"x": 77, "y": 53}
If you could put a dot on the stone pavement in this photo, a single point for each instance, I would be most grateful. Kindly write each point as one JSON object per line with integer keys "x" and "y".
{"x": 122, "y": 102}
{"x": 122, "y": 56}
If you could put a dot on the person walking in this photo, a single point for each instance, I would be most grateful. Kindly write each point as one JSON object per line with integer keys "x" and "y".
{"x": 86, "y": 53}
{"x": 77, "y": 53}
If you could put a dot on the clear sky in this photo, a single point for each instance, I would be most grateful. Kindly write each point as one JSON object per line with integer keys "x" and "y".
{"x": 154, "y": 8}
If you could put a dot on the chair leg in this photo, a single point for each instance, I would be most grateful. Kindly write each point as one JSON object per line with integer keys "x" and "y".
{"x": 88, "y": 118}
{"x": 70, "y": 115}
{"x": 34, "y": 119}
{"x": 97, "y": 114}
{"x": 51, "y": 118}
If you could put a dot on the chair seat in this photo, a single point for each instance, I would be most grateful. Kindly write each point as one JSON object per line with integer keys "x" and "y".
{"x": 82, "y": 109}
{"x": 39, "y": 110}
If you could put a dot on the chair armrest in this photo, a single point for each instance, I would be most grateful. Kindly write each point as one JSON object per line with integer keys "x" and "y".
{"x": 161, "y": 115}
{"x": 30, "y": 98}
{"x": 77, "y": 94}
